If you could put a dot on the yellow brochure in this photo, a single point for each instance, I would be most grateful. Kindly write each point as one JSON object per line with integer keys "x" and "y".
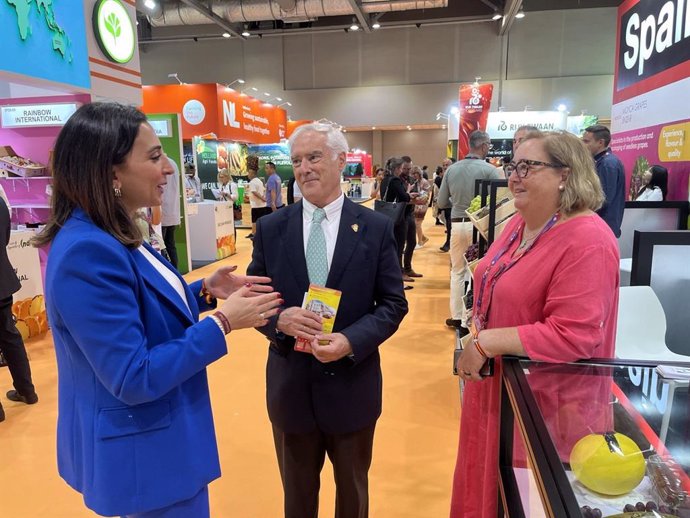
{"x": 324, "y": 302}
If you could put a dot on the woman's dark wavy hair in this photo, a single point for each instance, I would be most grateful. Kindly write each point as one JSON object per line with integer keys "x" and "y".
{"x": 98, "y": 137}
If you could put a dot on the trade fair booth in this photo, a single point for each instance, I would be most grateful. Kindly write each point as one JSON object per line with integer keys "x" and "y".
{"x": 219, "y": 126}
{"x": 60, "y": 60}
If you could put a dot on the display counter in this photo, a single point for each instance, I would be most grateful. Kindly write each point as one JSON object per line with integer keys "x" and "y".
{"x": 598, "y": 434}
{"x": 211, "y": 230}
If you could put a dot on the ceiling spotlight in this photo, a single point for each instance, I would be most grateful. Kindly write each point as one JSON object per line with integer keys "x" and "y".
{"x": 174, "y": 75}
{"x": 240, "y": 81}
{"x": 354, "y": 26}
{"x": 250, "y": 88}
{"x": 520, "y": 15}
{"x": 441, "y": 115}
{"x": 455, "y": 110}
{"x": 376, "y": 25}
{"x": 267, "y": 94}
{"x": 246, "y": 33}
{"x": 497, "y": 16}
{"x": 226, "y": 35}
{"x": 562, "y": 107}
{"x": 444, "y": 126}
{"x": 150, "y": 5}
{"x": 286, "y": 102}
{"x": 373, "y": 127}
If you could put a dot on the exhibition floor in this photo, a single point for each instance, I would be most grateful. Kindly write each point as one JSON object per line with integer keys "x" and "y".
{"x": 416, "y": 438}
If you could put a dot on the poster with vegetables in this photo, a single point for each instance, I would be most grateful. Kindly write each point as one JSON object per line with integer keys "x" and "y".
{"x": 207, "y": 165}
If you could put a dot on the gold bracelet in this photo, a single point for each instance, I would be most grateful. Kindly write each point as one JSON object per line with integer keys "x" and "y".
{"x": 205, "y": 293}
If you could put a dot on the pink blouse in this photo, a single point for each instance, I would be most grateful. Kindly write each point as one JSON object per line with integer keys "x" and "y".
{"x": 562, "y": 296}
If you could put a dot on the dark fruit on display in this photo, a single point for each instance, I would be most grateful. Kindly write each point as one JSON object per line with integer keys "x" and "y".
{"x": 651, "y": 506}
{"x": 629, "y": 508}
{"x": 639, "y": 506}
{"x": 588, "y": 512}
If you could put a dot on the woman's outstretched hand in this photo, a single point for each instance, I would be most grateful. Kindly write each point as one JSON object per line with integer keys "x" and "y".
{"x": 223, "y": 283}
{"x": 248, "y": 308}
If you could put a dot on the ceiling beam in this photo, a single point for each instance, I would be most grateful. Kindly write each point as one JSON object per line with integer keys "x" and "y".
{"x": 511, "y": 9}
{"x": 208, "y": 13}
{"x": 361, "y": 17}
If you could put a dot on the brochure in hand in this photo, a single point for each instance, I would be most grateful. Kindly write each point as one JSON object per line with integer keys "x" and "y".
{"x": 324, "y": 302}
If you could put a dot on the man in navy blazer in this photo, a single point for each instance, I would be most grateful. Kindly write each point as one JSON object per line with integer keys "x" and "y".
{"x": 327, "y": 401}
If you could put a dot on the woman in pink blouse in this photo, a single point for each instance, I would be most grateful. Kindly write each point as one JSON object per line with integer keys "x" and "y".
{"x": 546, "y": 289}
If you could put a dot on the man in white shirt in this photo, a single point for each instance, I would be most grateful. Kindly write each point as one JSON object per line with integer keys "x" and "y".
{"x": 257, "y": 199}
{"x": 170, "y": 212}
{"x": 329, "y": 397}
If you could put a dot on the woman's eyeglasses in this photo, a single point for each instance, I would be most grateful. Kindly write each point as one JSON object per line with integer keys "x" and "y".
{"x": 524, "y": 166}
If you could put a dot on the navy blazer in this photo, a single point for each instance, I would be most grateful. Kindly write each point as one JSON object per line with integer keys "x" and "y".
{"x": 345, "y": 396}
{"x": 135, "y": 429}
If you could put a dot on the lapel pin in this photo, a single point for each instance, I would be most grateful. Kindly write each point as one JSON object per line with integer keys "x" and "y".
{"x": 355, "y": 227}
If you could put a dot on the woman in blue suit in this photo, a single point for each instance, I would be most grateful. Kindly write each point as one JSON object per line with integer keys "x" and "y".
{"x": 135, "y": 429}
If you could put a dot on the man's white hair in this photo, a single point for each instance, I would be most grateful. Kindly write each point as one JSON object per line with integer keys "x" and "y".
{"x": 335, "y": 140}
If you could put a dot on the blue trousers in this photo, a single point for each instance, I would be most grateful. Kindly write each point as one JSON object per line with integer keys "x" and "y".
{"x": 195, "y": 507}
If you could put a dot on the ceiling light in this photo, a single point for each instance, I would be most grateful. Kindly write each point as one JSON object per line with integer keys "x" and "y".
{"x": 497, "y": 16}
{"x": 455, "y": 110}
{"x": 150, "y": 5}
{"x": 444, "y": 126}
{"x": 240, "y": 81}
{"x": 174, "y": 75}
{"x": 354, "y": 26}
{"x": 246, "y": 33}
{"x": 226, "y": 35}
{"x": 278, "y": 99}
{"x": 562, "y": 108}
{"x": 250, "y": 88}
{"x": 373, "y": 127}
{"x": 286, "y": 102}
{"x": 520, "y": 15}
{"x": 376, "y": 25}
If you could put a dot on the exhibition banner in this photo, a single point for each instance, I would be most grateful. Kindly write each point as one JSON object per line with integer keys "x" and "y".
{"x": 650, "y": 118}
{"x": 215, "y": 109}
{"x": 653, "y": 46}
{"x": 196, "y": 104}
{"x": 279, "y": 154}
{"x": 503, "y": 125}
{"x": 46, "y": 40}
{"x": 475, "y": 102}
{"x": 206, "y": 152}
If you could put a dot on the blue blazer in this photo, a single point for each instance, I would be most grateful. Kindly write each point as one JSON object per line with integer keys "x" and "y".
{"x": 135, "y": 430}
{"x": 345, "y": 396}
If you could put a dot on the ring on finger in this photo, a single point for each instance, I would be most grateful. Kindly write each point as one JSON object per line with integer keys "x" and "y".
{"x": 261, "y": 315}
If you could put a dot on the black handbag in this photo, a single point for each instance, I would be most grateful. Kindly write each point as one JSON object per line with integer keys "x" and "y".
{"x": 393, "y": 209}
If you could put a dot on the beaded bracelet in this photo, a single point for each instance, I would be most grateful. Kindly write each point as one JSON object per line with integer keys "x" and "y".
{"x": 206, "y": 294}
{"x": 475, "y": 341}
{"x": 218, "y": 323}
{"x": 224, "y": 320}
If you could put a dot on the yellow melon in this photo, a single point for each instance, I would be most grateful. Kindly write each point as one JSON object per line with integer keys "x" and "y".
{"x": 611, "y": 463}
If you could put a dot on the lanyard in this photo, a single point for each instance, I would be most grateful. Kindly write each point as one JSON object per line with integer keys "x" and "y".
{"x": 481, "y": 318}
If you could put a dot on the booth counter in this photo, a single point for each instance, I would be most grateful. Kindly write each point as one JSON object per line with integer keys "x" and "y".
{"x": 212, "y": 230}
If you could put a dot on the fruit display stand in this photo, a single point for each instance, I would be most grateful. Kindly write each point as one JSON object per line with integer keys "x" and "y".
{"x": 584, "y": 440}
{"x": 211, "y": 230}
{"x": 491, "y": 193}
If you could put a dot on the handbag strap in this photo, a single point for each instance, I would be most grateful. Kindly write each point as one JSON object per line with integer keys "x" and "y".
{"x": 385, "y": 194}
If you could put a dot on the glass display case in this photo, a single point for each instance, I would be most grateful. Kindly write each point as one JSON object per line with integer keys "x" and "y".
{"x": 595, "y": 439}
